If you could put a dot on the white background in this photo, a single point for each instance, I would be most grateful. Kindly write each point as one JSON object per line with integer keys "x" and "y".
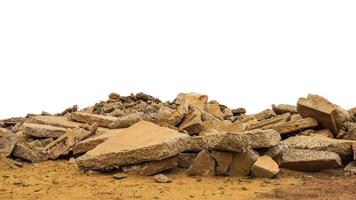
{"x": 54, "y": 54}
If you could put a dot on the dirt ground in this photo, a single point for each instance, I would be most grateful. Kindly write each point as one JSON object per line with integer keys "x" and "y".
{"x": 62, "y": 180}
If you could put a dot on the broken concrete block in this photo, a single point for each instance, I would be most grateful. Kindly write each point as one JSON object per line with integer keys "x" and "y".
{"x": 321, "y": 143}
{"x": 284, "y": 108}
{"x": 42, "y": 131}
{"x": 242, "y": 163}
{"x": 203, "y": 165}
{"x": 186, "y": 159}
{"x": 214, "y": 110}
{"x": 266, "y": 124}
{"x": 192, "y": 122}
{"x": 90, "y": 143}
{"x": 8, "y": 141}
{"x": 64, "y": 144}
{"x": 57, "y": 121}
{"x": 28, "y": 153}
{"x": 309, "y": 160}
{"x": 266, "y": 114}
{"x": 223, "y": 161}
{"x": 141, "y": 142}
{"x": 152, "y": 167}
{"x": 261, "y": 138}
{"x": 293, "y": 126}
{"x": 128, "y": 120}
{"x": 327, "y": 114}
{"x": 193, "y": 99}
{"x": 172, "y": 117}
{"x": 265, "y": 167}
{"x": 226, "y": 142}
{"x": 101, "y": 120}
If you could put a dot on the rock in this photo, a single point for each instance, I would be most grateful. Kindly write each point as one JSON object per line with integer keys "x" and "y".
{"x": 284, "y": 108}
{"x": 205, "y": 116}
{"x": 350, "y": 131}
{"x": 152, "y": 167}
{"x": 220, "y": 127}
{"x": 41, "y": 142}
{"x": 325, "y": 133}
{"x": 90, "y": 143}
{"x": 185, "y": 160}
{"x": 267, "y": 123}
{"x": 119, "y": 176}
{"x": 72, "y": 161}
{"x": 223, "y": 161}
{"x": 142, "y": 142}
{"x": 28, "y": 153}
{"x": 242, "y": 163}
{"x": 351, "y": 168}
{"x": 192, "y": 122}
{"x": 203, "y": 165}
{"x": 193, "y": 99}
{"x": 128, "y": 120}
{"x": 195, "y": 144}
{"x": 42, "y": 131}
{"x": 8, "y": 141}
{"x": 321, "y": 143}
{"x": 265, "y": 167}
{"x": 327, "y": 114}
{"x": 170, "y": 116}
{"x": 226, "y": 142}
{"x": 266, "y": 114}
{"x": 64, "y": 144}
{"x": 276, "y": 151}
{"x": 214, "y": 110}
{"x": 293, "y": 126}
{"x": 101, "y": 120}
{"x": 354, "y": 150}
{"x": 238, "y": 111}
{"x": 57, "y": 121}
{"x": 309, "y": 160}
{"x": 160, "y": 178}
{"x": 262, "y": 138}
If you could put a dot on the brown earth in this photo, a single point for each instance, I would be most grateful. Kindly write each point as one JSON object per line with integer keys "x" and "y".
{"x": 62, "y": 180}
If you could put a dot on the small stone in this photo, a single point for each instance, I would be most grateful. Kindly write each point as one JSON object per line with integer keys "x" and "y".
{"x": 265, "y": 167}
{"x": 119, "y": 176}
{"x": 72, "y": 161}
{"x": 160, "y": 178}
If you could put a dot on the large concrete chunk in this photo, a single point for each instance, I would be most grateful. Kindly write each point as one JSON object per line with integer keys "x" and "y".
{"x": 295, "y": 125}
{"x": 214, "y": 110}
{"x": 58, "y": 121}
{"x": 327, "y": 114}
{"x": 203, "y": 165}
{"x": 192, "y": 122}
{"x": 28, "y": 153}
{"x": 192, "y": 99}
{"x": 226, "y": 142}
{"x": 8, "y": 141}
{"x": 223, "y": 161}
{"x": 262, "y": 138}
{"x": 265, "y": 167}
{"x": 309, "y": 160}
{"x": 42, "y": 131}
{"x": 242, "y": 163}
{"x": 101, "y": 120}
{"x": 142, "y": 142}
{"x": 90, "y": 143}
{"x": 321, "y": 143}
{"x": 152, "y": 167}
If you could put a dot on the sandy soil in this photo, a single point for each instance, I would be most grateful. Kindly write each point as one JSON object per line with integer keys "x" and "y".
{"x": 62, "y": 180}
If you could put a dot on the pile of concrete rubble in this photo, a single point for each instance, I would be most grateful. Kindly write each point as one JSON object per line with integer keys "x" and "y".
{"x": 141, "y": 135}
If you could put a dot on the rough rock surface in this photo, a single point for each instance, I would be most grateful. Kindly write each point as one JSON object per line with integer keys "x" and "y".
{"x": 192, "y": 99}
{"x": 265, "y": 167}
{"x": 8, "y": 141}
{"x": 242, "y": 163}
{"x": 128, "y": 120}
{"x": 28, "y": 153}
{"x": 295, "y": 125}
{"x": 42, "y": 131}
{"x": 284, "y": 108}
{"x": 160, "y": 178}
{"x": 192, "y": 122}
{"x": 203, "y": 165}
{"x": 351, "y": 168}
{"x": 262, "y": 138}
{"x": 309, "y": 160}
{"x": 223, "y": 161}
{"x": 220, "y": 127}
{"x": 327, "y": 114}
{"x": 186, "y": 159}
{"x": 142, "y": 142}
{"x": 152, "y": 167}
{"x": 101, "y": 120}
{"x": 226, "y": 142}
{"x": 58, "y": 121}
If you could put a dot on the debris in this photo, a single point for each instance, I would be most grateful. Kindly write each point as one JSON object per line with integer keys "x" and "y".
{"x": 101, "y": 120}
{"x": 284, "y": 108}
{"x": 192, "y": 122}
{"x": 223, "y": 161}
{"x": 214, "y": 110}
{"x": 265, "y": 167}
{"x": 242, "y": 162}
{"x": 192, "y": 99}
{"x": 186, "y": 159}
{"x": 128, "y": 120}
{"x": 151, "y": 167}
{"x": 261, "y": 138}
{"x": 119, "y": 176}
{"x": 203, "y": 165}
{"x": 42, "y": 131}
{"x": 350, "y": 168}
{"x": 293, "y": 126}
{"x": 8, "y": 141}
{"x": 309, "y": 160}
{"x": 28, "y": 153}
{"x": 57, "y": 121}
{"x": 238, "y": 111}
{"x": 226, "y": 142}
{"x": 160, "y": 178}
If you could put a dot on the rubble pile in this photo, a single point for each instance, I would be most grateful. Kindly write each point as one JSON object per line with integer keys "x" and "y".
{"x": 141, "y": 135}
